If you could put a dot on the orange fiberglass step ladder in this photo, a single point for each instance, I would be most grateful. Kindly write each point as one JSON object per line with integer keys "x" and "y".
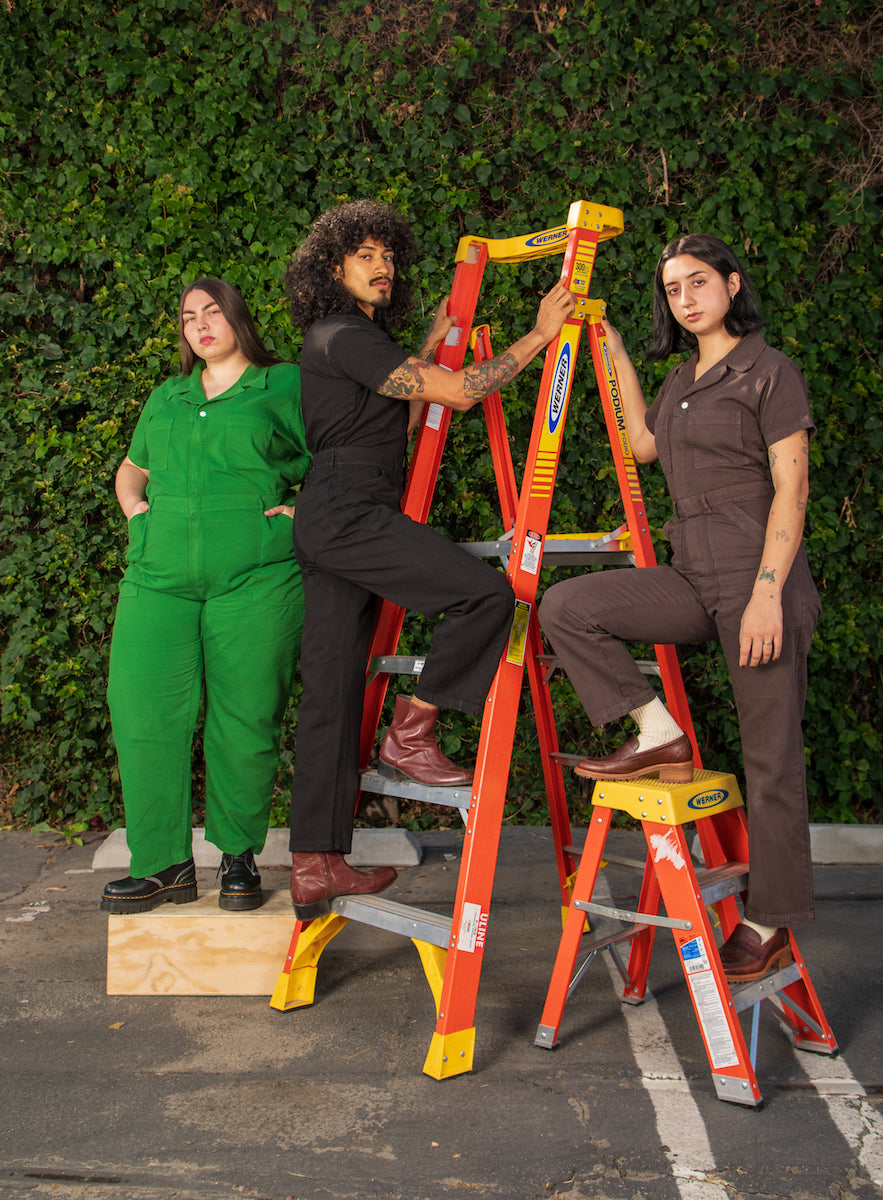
{"x": 451, "y": 948}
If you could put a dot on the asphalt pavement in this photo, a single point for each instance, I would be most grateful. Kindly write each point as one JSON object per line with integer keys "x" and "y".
{"x": 208, "y": 1098}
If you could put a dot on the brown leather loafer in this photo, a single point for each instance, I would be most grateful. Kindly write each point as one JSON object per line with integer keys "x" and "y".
{"x": 673, "y": 762}
{"x": 744, "y": 957}
{"x": 317, "y": 878}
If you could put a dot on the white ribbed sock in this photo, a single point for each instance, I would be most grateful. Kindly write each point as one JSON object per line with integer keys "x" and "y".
{"x": 765, "y": 931}
{"x": 656, "y": 725}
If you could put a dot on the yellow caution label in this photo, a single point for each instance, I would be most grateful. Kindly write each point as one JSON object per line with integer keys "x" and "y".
{"x": 518, "y": 636}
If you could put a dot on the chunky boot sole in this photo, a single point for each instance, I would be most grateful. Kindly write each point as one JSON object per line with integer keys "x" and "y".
{"x": 309, "y": 912}
{"x": 388, "y": 771}
{"x": 237, "y": 902}
{"x": 397, "y": 775}
{"x": 119, "y": 905}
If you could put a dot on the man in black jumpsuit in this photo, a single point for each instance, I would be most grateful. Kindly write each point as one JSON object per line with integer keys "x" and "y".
{"x": 354, "y": 544}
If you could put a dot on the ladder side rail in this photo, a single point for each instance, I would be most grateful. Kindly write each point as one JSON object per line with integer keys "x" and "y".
{"x": 422, "y": 475}
{"x": 553, "y": 774}
{"x": 728, "y": 1056}
{"x": 574, "y": 927}
{"x": 481, "y": 839}
{"x": 636, "y": 516}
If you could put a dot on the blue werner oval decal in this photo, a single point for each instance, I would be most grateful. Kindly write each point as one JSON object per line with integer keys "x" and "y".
{"x": 547, "y": 237}
{"x": 707, "y": 800}
{"x": 558, "y": 392}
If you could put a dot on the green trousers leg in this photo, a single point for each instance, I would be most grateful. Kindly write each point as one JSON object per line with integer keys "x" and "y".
{"x": 245, "y": 642}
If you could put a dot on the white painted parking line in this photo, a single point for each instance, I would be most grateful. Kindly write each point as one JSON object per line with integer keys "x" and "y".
{"x": 679, "y": 1123}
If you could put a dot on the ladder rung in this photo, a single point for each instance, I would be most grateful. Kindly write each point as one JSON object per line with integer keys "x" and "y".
{"x": 750, "y": 994}
{"x": 592, "y": 945}
{"x": 720, "y": 882}
{"x": 417, "y": 923}
{"x": 646, "y": 666}
{"x": 450, "y": 797}
{"x": 624, "y": 914}
{"x": 570, "y": 552}
{"x": 396, "y": 664}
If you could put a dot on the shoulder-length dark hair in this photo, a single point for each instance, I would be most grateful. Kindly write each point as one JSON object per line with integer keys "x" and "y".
{"x": 234, "y": 308}
{"x": 314, "y": 291}
{"x": 744, "y": 315}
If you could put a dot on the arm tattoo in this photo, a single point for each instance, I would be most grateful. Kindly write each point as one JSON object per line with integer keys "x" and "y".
{"x": 782, "y": 535}
{"x": 773, "y": 457}
{"x": 407, "y": 382}
{"x": 485, "y": 378}
{"x": 766, "y": 573}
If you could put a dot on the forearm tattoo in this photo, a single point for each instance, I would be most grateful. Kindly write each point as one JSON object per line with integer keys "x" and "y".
{"x": 767, "y": 573}
{"x": 408, "y": 382}
{"x": 483, "y": 379}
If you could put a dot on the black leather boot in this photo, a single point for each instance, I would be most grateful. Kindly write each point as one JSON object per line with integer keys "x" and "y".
{"x": 176, "y": 883}
{"x": 240, "y": 883}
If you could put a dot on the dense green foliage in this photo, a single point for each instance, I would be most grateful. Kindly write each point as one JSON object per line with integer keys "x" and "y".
{"x": 146, "y": 144}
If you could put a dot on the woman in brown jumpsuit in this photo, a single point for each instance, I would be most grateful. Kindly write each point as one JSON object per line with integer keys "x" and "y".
{"x": 731, "y": 428}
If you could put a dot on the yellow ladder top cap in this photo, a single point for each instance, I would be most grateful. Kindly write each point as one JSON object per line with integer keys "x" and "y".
{"x": 584, "y": 214}
{"x": 648, "y": 799}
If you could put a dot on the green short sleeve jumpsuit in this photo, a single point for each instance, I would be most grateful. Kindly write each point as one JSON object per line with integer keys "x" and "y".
{"x": 212, "y": 590}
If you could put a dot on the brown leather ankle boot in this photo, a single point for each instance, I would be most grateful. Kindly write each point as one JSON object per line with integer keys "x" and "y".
{"x": 410, "y": 751}
{"x": 317, "y": 878}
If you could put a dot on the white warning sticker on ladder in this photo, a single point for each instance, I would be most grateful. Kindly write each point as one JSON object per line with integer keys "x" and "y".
{"x": 434, "y": 415}
{"x": 532, "y": 554}
{"x": 709, "y": 1005}
{"x": 473, "y": 926}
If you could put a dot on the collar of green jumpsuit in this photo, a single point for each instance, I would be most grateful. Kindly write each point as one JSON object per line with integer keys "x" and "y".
{"x": 189, "y": 387}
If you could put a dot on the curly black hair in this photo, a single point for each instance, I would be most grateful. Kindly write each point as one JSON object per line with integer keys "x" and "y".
{"x": 312, "y": 288}
{"x": 668, "y": 335}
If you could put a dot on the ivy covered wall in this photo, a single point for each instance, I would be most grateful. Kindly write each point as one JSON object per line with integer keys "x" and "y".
{"x": 143, "y": 145}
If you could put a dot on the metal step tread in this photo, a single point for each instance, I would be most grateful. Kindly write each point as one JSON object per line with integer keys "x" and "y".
{"x": 405, "y": 919}
{"x": 716, "y": 883}
{"x": 746, "y": 995}
{"x": 450, "y": 797}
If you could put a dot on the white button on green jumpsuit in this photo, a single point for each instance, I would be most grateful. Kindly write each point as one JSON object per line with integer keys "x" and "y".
{"x": 212, "y": 589}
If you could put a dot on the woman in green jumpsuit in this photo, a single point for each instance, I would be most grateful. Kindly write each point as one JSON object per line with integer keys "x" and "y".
{"x": 212, "y": 590}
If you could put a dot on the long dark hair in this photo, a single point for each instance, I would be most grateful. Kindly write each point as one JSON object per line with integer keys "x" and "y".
{"x": 744, "y": 314}
{"x": 234, "y": 308}
{"x": 313, "y": 290}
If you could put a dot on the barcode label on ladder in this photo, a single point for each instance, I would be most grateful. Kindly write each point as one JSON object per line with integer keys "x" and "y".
{"x": 709, "y": 1006}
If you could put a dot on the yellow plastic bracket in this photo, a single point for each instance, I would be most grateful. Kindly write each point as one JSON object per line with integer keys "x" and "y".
{"x": 649, "y": 799}
{"x": 569, "y": 883}
{"x": 433, "y": 959}
{"x": 450, "y": 1054}
{"x": 583, "y": 214}
{"x": 591, "y": 310}
{"x": 296, "y": 987}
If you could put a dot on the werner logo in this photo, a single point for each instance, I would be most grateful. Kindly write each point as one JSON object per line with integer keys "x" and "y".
{"x": 560, "y": 381}
{"x": 707, "y": 799}
{"x": 550, "y": 235}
